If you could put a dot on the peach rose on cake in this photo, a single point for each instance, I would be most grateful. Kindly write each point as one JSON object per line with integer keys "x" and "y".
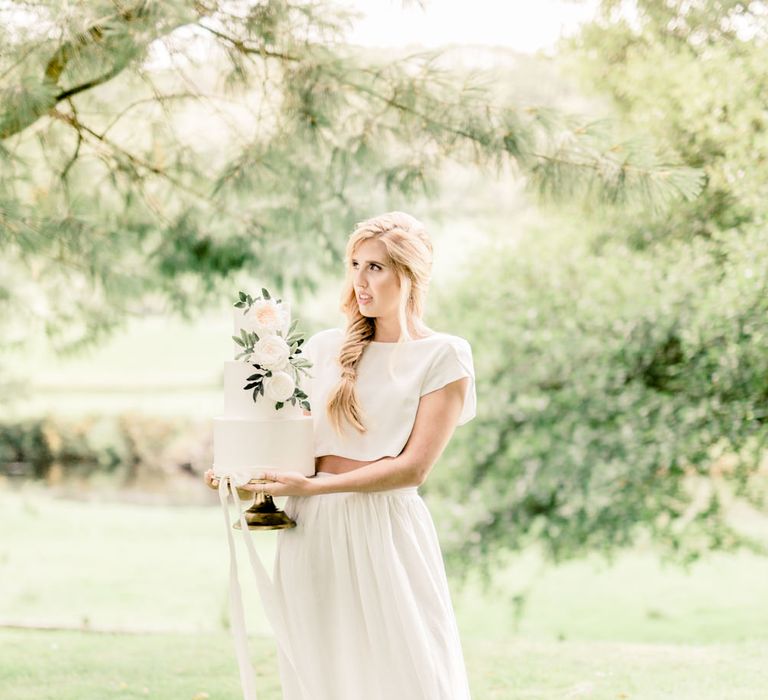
{"x": 266, "y": 316}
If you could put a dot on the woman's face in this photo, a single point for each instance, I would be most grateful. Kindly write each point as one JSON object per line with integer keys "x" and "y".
{"x": 374, "y": 277}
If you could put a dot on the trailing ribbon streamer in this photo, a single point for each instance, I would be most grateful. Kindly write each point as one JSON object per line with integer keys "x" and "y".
{"x": 266, "y": 591}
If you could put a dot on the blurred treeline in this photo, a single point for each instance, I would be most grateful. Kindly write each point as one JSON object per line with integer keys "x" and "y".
{"x": 619, "y": 334}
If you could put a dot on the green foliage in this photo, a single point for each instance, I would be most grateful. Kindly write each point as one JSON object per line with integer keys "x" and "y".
{"x": 681, "y": 72}
{"x": 627, "y": 389}
{"x": 24, "y": 449}
{"x": 624, "y": 396}
{"x": 155, "y": 151}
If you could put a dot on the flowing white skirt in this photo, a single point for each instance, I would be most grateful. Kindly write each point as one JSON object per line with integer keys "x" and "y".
{"x": 365, "y": 602}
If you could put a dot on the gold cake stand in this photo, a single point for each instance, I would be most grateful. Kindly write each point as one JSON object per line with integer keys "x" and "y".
{"x": 263, "y": 514}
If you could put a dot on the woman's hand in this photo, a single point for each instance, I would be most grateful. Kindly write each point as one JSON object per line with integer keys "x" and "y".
{"x": 282, "y": 484}
{"x": 212, "y": 481}
{"x": 209, "y": 478}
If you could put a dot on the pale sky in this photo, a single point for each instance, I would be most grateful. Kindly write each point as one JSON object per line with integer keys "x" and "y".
{"x": 524, "y": 25}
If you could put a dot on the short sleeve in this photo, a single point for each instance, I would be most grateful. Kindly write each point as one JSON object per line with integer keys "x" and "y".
{"x": 453, "y": 361}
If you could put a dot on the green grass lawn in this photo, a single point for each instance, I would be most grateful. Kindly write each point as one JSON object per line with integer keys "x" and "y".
{"x": 73, "y": 665}
{"x": 158, "y": 576}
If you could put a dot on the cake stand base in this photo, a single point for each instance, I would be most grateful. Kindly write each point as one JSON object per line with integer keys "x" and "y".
{"x": 264, "y": 514}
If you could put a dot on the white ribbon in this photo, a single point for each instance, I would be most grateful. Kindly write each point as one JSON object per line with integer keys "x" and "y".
{"x": 266, "y": 591}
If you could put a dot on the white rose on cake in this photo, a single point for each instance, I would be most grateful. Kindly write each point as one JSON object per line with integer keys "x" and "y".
{"x": 279, "y": 387}
{"x": 271, "y": 352}
{"x": 266, "y": 316}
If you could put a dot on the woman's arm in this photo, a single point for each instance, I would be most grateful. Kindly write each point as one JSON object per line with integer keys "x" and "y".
{"x": 435, "y": 422}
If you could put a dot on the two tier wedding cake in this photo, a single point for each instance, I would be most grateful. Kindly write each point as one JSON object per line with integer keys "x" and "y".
{"x": 263, "y": 426}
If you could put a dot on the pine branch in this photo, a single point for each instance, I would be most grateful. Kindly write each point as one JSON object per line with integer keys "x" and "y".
{"x": 546, "y": 169}
{"x": 612, "y": 175}
{"x": 23, "y": 107}
{"x": 19, "y": 61}
{"x": 75, "y": 155}
{"x": 242, "y": 47}
{"x": 81, "y": 128}
{"x": 70, "y": 92}
{"x": 145, "y": 100}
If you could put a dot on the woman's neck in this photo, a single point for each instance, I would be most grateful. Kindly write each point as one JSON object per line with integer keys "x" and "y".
{"x": 390, "y": 336}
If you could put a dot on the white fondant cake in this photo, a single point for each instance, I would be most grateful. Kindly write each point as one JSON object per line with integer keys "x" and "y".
{"x": 253, "y": 436}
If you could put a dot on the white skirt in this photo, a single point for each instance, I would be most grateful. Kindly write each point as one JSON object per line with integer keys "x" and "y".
{"x": 364, "y": 600}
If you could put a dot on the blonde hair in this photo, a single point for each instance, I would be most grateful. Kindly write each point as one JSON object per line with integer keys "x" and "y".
{"x": 409, "y": 250}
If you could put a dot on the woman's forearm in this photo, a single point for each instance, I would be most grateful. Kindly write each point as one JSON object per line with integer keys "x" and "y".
{"x": 381, "y": 475}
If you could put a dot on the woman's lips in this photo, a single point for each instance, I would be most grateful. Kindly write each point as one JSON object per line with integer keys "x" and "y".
{"x": 362, "y": 300}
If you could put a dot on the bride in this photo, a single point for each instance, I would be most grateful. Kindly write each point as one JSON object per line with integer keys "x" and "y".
{"x": 361, "y": 580}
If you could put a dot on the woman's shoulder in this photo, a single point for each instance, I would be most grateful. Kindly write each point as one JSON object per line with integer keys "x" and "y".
{"x": 447, "y": 339}
{"x": 436, "y": 338}
{"x": 441, "y": 347}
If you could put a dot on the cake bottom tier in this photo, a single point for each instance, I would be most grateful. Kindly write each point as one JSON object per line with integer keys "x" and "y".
{"x": 243, "y": 447}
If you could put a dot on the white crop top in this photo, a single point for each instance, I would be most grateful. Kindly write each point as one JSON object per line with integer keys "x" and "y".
{"x": 390, "y": 380}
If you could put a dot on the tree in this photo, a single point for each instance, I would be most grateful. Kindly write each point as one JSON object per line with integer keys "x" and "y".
{"x": 151, "y": 150}
{"x": 627, "y": 389}
{"x": 705, "y": 106}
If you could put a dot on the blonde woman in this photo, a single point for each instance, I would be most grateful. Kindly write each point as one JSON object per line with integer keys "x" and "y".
{"x": 361, "y": 579}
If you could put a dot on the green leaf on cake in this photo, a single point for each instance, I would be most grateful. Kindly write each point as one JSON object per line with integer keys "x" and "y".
{"x": 279, "y": 405}
{"x": 240, "y": 304}
{"x": 243, "y": 296}
{"x": 238, "y": 340}
{"x": 265, "y": 293}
